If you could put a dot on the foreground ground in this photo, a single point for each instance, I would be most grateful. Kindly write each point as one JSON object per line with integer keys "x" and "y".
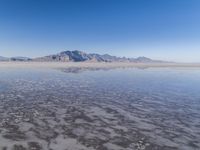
{"x": 56, "y": 111}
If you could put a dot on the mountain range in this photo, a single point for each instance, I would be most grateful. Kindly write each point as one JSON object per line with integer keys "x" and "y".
{"x": 80, "y": 56}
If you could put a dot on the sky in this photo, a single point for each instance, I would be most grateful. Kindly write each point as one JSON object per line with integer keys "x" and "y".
{"x": 159, "y": 29}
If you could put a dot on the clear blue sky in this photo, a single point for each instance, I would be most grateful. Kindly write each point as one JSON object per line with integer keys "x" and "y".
{"x": 159, "y": 29}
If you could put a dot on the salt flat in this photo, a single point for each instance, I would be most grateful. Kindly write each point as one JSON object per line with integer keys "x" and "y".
{"x": 91, "y": 64}
{"x": 60, "y": 106}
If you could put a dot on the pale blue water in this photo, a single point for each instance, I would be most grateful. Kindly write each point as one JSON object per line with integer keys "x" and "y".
{"x": 163, "y": 105}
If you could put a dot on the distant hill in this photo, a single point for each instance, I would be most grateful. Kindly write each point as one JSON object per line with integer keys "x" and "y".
{"x": 3, "y": 58}
{"x": 19, "y": 58}
{"x": 79, "y": 56}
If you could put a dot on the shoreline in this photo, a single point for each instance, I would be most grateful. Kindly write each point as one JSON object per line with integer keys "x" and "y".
{"x": 97, "y": 65}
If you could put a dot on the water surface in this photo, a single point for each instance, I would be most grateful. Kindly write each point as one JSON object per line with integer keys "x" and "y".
{"x": 119, "y": 109}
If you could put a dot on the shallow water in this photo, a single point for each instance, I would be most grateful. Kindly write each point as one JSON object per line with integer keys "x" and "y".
{"x": 119, "y": 109}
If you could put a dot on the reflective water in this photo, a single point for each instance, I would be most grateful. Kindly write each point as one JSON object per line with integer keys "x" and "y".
{"x": 129, "y": 109}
